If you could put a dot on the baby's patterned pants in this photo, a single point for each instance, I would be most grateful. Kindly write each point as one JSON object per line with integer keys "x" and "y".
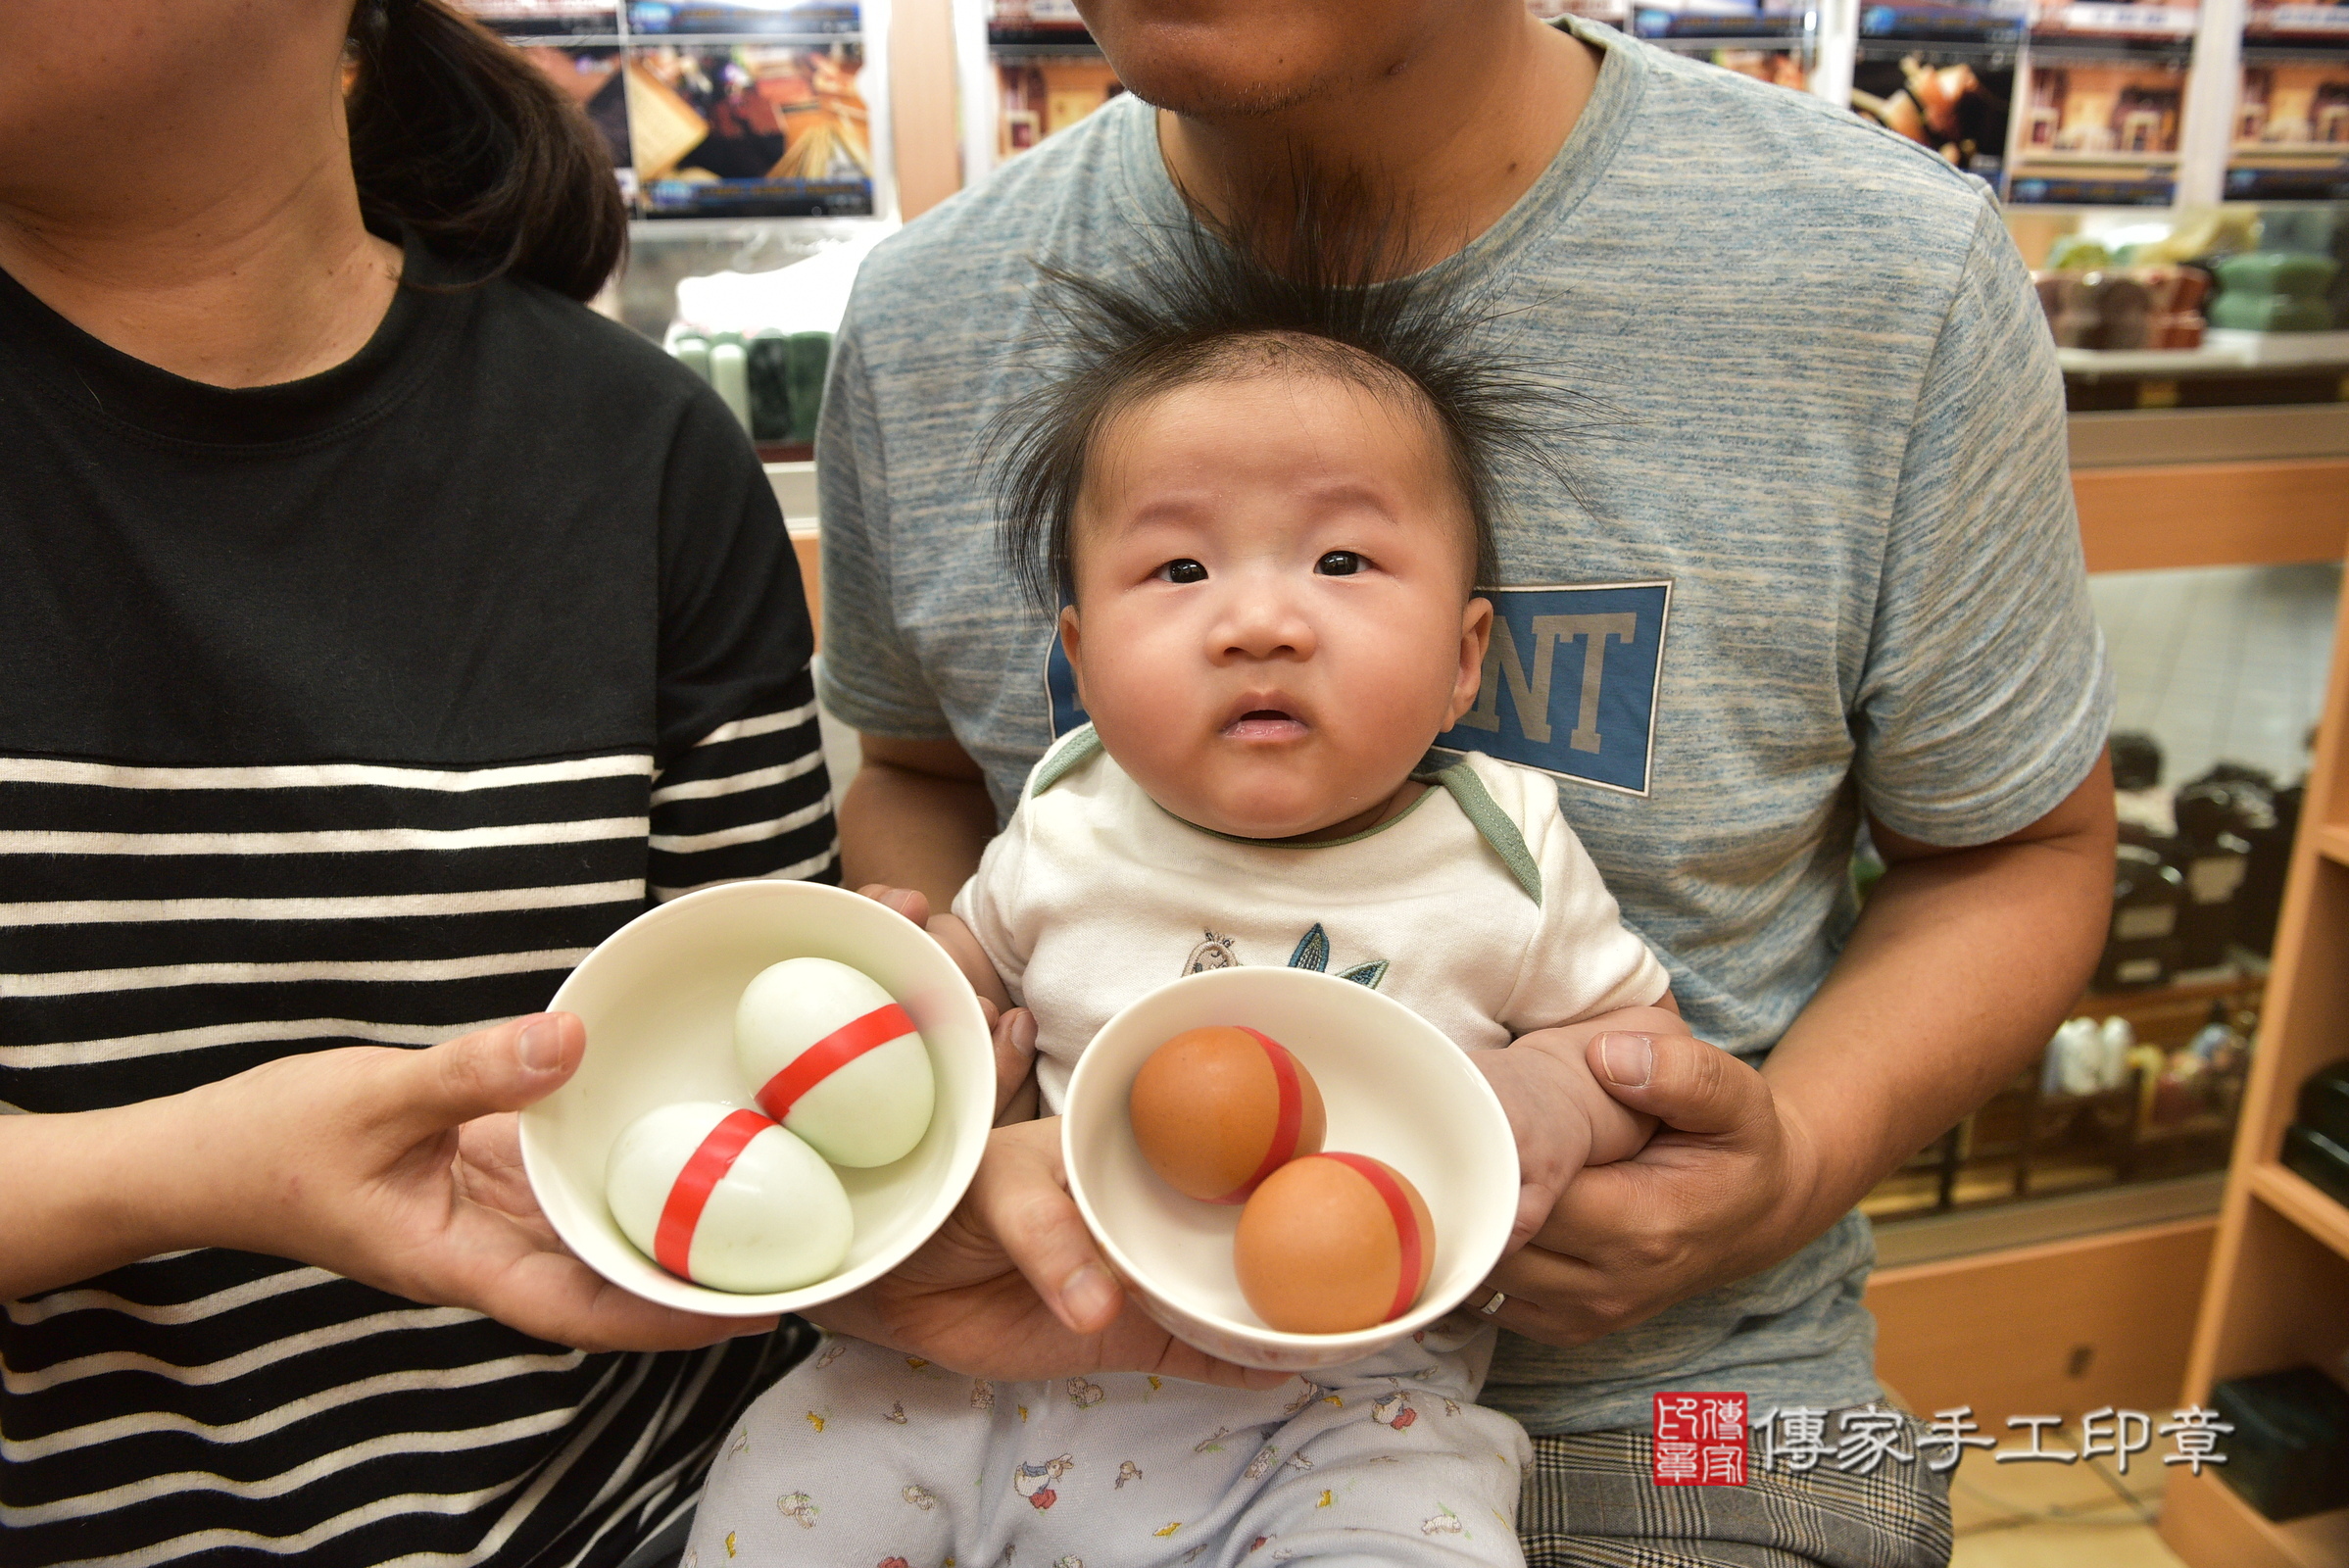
{"x": 867, "y": 1456}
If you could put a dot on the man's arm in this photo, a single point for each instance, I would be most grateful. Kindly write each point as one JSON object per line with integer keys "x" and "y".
{"x": 916, "y": 816}
{"x": 1957, "y": 973}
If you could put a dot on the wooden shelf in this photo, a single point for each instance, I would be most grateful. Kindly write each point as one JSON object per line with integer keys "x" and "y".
{"x": 2279, "y": 1269}
{"x": 2303, "y": 1202}
{"x": 2205, "y": 1520}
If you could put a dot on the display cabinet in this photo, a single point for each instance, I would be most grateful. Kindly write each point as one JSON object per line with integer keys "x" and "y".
{"x": 2278, "y": 1291}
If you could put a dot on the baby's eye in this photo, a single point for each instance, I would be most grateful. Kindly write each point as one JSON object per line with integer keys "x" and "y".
{"x": 1339, "y": 564}
{"x": 1183, "y": 570}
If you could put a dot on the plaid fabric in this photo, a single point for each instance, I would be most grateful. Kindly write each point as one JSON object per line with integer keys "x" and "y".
{"x": 1589, "y": 1502}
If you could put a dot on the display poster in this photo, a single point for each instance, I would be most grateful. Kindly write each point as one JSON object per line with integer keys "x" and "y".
{"x": 1616, "y": 14}
{"x": 1984, "y": 21}
{"x": 1719, "y": 19}
{"x": 744, "y": 17}
{"x": 750, "y": 130}
{"x": 1956, "y": 101}
{"x": 592, "y": 78}
{"x": 1781, "y": 68}
{"x": 2098, "y": 129}
{"x": 1043, "y": 94}
{"x": 1047, "y": 22}
{"x": 548, "y": 19}
{"x": 2317, "y": 21}
{"x": 2291, "y": 130}
{"x": 2114, "y": 18}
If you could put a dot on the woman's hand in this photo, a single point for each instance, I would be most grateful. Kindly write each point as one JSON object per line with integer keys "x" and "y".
{"x": 1013, "y": 1286}
{"x": 399, "y": 1169}
{"x": 1721, "y": 1191}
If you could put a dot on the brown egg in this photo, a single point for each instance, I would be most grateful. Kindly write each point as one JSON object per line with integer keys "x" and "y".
{"x": 1334, "y": 1242}
{"x": 1216, "y": 1111}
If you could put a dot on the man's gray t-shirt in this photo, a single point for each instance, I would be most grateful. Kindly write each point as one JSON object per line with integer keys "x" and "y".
{"x": 1823, "y": 560}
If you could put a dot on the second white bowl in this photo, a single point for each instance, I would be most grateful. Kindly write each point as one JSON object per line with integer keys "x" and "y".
{"x": 1394, "y": 1088}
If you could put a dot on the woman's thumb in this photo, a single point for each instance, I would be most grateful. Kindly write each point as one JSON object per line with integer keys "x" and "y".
{"x": 502, "y": 1068}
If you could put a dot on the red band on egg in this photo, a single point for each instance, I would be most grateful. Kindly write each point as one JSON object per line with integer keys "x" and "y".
{"x": 1288, "y": 1120}
{"x": 1406, "y": 1227}
{"x": 672, "y": 1237}
{"x": 829, "y": 1055}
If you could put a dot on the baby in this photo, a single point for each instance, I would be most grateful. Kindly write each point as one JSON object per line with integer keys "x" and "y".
{"x": 1263, "y": 500}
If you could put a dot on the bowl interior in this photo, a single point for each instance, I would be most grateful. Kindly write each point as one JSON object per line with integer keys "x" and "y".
{"x": 657, "y": 998}
{"x": 1395, "y": 1089}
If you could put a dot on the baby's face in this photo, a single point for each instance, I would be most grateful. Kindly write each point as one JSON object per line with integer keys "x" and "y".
{"x": 1272, "y": 616}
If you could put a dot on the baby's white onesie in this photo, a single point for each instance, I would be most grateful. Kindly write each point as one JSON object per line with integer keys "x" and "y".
{"x": 1478, "y": 909}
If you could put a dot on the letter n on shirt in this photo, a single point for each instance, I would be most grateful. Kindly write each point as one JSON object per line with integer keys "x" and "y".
{"x": 1570, "y": 682}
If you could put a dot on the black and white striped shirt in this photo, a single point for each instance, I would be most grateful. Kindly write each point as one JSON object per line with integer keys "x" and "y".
{"x": 354, "y": 712}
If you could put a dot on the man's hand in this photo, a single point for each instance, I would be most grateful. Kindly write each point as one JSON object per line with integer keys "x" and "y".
{"x": 1717, "y": 1193}
{"x": 399, "y": 1169}
{"x": 1013, "y": 1286}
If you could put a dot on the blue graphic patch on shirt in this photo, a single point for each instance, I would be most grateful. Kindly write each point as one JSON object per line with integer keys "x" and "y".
{"x": 1570, "y": 682}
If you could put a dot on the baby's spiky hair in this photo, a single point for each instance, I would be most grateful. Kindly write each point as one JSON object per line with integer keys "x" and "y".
{"x": 1329, "y": 293}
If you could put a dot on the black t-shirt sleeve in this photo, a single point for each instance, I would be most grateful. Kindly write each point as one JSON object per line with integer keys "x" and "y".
{"x": 740, "y": 788}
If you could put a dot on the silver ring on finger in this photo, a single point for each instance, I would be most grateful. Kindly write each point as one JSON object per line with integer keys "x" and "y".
{"x": 1494, "y": 1305}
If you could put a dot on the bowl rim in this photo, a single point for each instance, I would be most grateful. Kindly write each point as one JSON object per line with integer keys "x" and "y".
{"x": 540, "y": 1165}
{"x": 1320, "y": 1346}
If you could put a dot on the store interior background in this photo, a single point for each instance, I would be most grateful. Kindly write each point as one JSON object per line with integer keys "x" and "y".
{"x": 2058, "y": 1250}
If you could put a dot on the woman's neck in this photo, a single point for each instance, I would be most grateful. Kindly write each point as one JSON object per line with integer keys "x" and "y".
{"x": 243, "y": 268}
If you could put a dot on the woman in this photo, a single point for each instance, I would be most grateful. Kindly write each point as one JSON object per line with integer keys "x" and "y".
{"x": 384, "y": 628}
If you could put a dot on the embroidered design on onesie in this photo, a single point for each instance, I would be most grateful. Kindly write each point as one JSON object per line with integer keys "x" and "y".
{"x": 1312, "y": 1391}
{"x": 797, "y": 1507}
{"x": 815, "y": 1420}
{"x": 1127, "y": 1471}
{"x": 1260, "y": 1463}
{"x": 896, "y": 1413}
{"x": 1443, "y": 1522}
{"x": 895, "y": 1562}
{"x": 1214, "y": 951}
{"x": 1068, "y": 1559}
{"x": 1312, "y": 952}
{"x": 982, "y": 1395}
{"x": 1392, "y": 1410}
{"x": 830, "y": 1353}
{"x": 1035, "y": 1481}
{"x": 919, "y": 1495}
{"x": 1085, "y": 1394}
{"x": 1168, "y": 1529}
{"x": 1212, "y": 1442}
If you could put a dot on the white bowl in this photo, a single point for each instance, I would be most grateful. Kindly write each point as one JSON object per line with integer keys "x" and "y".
{"x": 1395, "y": 1089}
{"x": 658, "y": 997}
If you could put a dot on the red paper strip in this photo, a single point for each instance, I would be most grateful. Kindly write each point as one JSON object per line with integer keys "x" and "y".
{"x": 1288, "y": 1121}
{"x": 1406, "y": 1227}
{"x": 829, "y": 1055}
{"x": 672, "y": 1238}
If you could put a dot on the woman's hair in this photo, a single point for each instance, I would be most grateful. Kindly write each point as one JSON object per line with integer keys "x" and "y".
{"x": 456, "y": 135}
{"x": 1329, "y": 293}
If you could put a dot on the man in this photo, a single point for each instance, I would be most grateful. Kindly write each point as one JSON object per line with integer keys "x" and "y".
{"x": 1820, "y": 566}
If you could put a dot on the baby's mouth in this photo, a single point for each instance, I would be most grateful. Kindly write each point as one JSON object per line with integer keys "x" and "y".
{"x": 1264, "y": 724}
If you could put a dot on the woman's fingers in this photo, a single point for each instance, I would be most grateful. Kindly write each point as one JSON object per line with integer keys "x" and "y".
{"x": 505, "y": 1068}
{"x": 911, "y": 902}
{"x": 1014, "y": 1055}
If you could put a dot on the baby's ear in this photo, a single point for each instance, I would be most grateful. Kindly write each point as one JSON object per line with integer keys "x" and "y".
{"x": 1476, "y": 634}
{"x": 1070, "y": 639}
